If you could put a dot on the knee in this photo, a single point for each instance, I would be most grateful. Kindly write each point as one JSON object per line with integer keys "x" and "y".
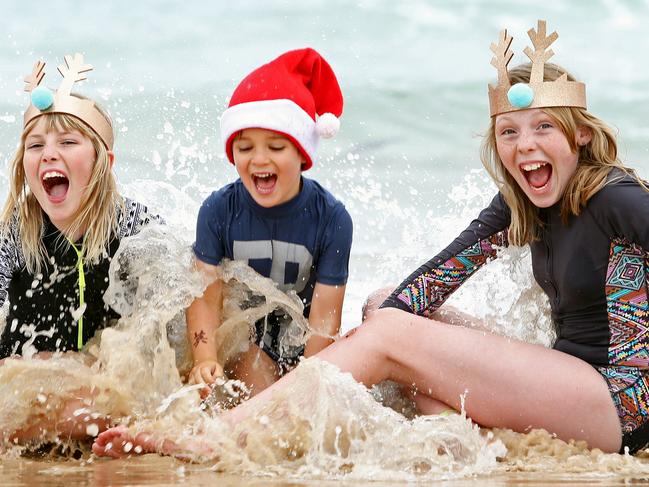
{"x": 380, "y": 330}
{"x": 374, "y": 300}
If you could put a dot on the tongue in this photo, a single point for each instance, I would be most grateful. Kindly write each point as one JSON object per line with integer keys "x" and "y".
{"x": 266, "y": 184}
{"x": 58, "y": 190}
{"x": 539, "y": 177}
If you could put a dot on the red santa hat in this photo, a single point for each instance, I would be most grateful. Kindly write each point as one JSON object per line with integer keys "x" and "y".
{"x": 296, "y": 94}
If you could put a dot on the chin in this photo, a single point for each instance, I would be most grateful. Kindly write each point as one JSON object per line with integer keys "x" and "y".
{"x": 543, "y": 201}
{"x": 265, "y": 202}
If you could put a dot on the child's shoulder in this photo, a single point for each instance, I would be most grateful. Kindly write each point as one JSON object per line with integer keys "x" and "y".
{"x": 621, "y": 189}
{"x": 322, "y": 194}
{"x": 330, "y": 210}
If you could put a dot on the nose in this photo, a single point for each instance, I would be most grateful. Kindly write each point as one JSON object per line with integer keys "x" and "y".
{"x": 49, "y": 153}
{"x": 526, "y": 141}
{"x": 260, "y": 156}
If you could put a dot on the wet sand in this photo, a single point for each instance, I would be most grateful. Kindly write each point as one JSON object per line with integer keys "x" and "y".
{"x": 163, "y": 471}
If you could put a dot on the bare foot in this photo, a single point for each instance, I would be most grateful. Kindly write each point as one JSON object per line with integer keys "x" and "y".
{"x": 118, "y": 442}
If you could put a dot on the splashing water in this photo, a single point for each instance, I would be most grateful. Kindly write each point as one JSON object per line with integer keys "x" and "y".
{"x": 325, "y": 425}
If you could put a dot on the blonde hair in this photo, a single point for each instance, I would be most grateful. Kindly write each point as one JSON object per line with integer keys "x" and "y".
{"x": 97, "y": 214}
{"x": 595, "y": 161}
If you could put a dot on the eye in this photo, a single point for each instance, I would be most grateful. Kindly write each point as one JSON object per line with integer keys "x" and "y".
{"x": 277, "y": 147}
{"x": 507, "y": 131}
{"x": 243, "y": 148}
{"x": 34, "y": 145}
{"x": 545, "y": 125}
{"x": 70, "y": 142}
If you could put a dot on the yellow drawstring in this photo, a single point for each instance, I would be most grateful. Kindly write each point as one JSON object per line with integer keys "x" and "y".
{"x": 82, "y": 287}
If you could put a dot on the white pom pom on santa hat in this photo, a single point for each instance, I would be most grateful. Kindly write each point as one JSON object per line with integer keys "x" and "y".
{"x": 327, "y": 125}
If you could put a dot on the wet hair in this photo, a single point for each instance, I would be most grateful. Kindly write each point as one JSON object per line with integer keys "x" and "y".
{"x": 97, "y": 214}
{"x": 595, "y": 161}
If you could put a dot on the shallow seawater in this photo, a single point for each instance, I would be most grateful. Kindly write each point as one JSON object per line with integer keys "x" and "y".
{"x": 324, "y": 427}
{"x": 163, "y": 471}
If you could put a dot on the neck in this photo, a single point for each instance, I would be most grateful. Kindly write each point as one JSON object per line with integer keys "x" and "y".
{"x": 73, "y": 236}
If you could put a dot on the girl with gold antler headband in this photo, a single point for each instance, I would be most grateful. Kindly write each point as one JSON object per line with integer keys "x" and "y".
{"x": 565, "y": 193}
{"x": 61, "y": 224}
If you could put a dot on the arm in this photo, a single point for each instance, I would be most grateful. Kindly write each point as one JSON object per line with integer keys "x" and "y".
{"x": 325, "y": 315}
{"x": 331, "y": 278}
{"x": 203, "y": 320}
{"x": 205, "y": 313}
{"x": 10, "y": 256}
{"x": 428, "y": 287}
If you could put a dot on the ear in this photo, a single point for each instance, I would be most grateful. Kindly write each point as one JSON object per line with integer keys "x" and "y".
{"x": 583, "y": 136}
{"x": 111, "y": 158}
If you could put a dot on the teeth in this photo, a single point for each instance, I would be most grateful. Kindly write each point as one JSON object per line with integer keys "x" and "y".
{"x": 53, "y": 174}
{"x": 263, "y": 175}
{"x": 533, "y": 166}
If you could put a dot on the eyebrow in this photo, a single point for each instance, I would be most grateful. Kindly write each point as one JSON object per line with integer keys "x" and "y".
{"x": 502, "y": 121}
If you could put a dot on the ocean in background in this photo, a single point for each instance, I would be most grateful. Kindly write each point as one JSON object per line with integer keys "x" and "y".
{"x": 414, "y": 75}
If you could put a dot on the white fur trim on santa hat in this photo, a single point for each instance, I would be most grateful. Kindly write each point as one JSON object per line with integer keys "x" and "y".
{"x": 280, "y": 115}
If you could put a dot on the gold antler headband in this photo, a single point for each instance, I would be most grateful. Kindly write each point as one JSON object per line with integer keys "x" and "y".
{"x": 44, "y": 101}
{"x": 537, "y": 93}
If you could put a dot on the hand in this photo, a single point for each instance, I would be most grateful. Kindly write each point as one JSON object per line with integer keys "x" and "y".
{"x": 205, "y": 372}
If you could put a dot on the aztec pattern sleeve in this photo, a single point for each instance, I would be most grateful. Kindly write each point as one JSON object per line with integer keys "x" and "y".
{"x": 429, "y": 286}
{"x": 10, "y": 257}
{"x": 622, "y": 210}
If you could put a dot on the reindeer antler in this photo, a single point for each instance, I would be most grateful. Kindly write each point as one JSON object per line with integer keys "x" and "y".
{"x": 539, "y": 57}
{"x": 72, "y": 71}
{"x": 502, "y": 56}
{"x": 34, "y": 79}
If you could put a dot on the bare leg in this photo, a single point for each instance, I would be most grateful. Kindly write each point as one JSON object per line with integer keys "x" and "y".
{"x": 374, "y": 300}
{"x": 507, "y": 383}
{"x": 448, "y": 314}
{"x": 253, "y": 367}
{"x": 75, "y": 420}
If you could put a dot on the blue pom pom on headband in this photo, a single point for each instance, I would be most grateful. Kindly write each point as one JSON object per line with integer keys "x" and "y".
{"x": 42, "y": 98}
{"x": 520, "y": 95}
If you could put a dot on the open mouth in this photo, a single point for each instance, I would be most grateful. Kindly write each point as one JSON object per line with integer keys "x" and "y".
{"x": 264, "y": 182}
{"x": 56, "y": 185}
{"x": 537, "y": 174}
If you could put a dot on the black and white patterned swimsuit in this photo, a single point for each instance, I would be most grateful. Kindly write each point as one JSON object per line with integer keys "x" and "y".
{"x": 44, "y": 308}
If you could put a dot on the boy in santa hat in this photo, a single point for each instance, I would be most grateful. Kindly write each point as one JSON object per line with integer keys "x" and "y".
{"x": 285, "y": 226}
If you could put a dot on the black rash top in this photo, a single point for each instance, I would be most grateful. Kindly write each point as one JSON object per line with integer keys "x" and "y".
{"x": 593, "y": 269}
{"x": 44, "y": 308}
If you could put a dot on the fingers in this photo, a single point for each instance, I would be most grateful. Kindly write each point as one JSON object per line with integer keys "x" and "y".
{"x": 205, "y": 373}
